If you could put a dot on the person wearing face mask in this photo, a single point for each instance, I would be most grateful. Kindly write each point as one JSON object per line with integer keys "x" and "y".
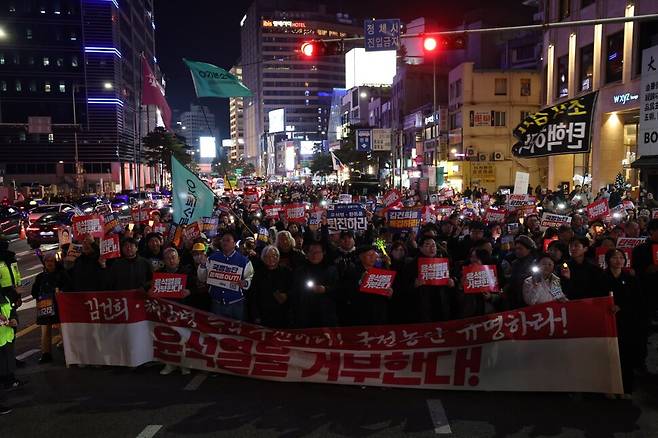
{"x": 269, "y": 292}
{"x": 543, "y": 286}
{"x": 630, "y": 314}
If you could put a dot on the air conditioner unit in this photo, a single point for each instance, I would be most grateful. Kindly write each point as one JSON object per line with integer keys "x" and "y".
{"x": 498, "y": 156}
{"x": 470, "y": 152}
{"x": 482, "y": 157}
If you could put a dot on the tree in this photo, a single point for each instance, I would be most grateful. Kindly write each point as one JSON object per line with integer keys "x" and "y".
{"x": 322, "y": 164}
{"x": 160, "y": 145}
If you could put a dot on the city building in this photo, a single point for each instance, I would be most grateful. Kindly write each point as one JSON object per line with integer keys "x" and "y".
{"x": 484, "y": 107}
{"x": 603, "y": 57}
{"x": 272, "y": 33}
{"x": 236, "y": 115}
{"x": 196, "y": 123}
{"x": 78, "y": 63}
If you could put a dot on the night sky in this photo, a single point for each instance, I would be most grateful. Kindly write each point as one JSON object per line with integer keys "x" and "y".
{"x": 209, "y": 30}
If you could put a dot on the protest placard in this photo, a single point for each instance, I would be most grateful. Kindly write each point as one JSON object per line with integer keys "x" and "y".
{"x": 404, "y": 219}
{"x": 630, "y": 242}
{"x": 87, "y": 225}
{"x": 377, "y": 281}
{"x": 296, "y": 213}
{"x": 550, "y": 220}
{"x": 479, "y": 279}
{"x": 109, "y": 247}
{"x": 167, "y": 285}
{"x": 111, "y": 223}
{"x": 495, "y": 216}
{"x": 392, "y": 198}
{"x": 597, "y": 210}
{"x": 433, "y": 271}
{"x": 341, "y": 217}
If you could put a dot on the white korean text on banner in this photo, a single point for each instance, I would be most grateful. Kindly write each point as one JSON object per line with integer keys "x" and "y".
{"x": 520, "y": 350}
{"x": 559, "y": 129}
{"x": 342, "y": 217}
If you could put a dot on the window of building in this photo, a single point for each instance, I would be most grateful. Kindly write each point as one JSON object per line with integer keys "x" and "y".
{"x": 497, "y": 118}
{"x": 525, "y": 87}
{"x": 3, "y": 85}
{"x": 33, "y": 86}
{"x": 586, "y": 3}
{"x": 28, "y": 33}
{"x": 2, "y": 59}
{"x": 46, "y": 61}
{"x": 30, "y": 60}
{"x": 500, "y": 86}
{"x": 59, "y": 62}
{"x": 586, "y": 67}
{"x": 524, "y": 115}
{"x": 16, "y": 59}
{"x": 74, "y": 61}
{"x": 62, "y": 87}
{"x": 19, "y": 86}
{"x": 458, "y": 88}
{"x": 12, "y": 8}
{"x": 562, "y": 76}
{"x": 648, "y": 37}
{"x": 46, "y": 87}
{"x": 615, "y": 57}
{"x": 73, "y": 35}
{"x": 51, "y": 138}
{"x": 565, "y": 9}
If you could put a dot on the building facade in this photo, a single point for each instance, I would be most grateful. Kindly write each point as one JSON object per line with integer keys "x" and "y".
{"x": 196, "y": 123}
{"x": 236, "y": 115}
{"x": 484, "y": 107}
{"x": 79, "y": 63}
{"x": 604, "y": 58}
{"x": 271, "y": 36}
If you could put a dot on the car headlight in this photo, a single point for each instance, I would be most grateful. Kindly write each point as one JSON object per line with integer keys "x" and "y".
{"x": 88, "y": 210}
{"x": 124, "y": 207}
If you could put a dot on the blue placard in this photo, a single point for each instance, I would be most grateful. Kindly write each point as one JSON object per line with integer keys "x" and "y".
{"x": 342, "y": 217}
{"x": 382, "y": 34}
{"x": 363, "y": 140}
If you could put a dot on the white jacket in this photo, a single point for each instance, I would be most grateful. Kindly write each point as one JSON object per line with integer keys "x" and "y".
{"x": 543, "y": 291}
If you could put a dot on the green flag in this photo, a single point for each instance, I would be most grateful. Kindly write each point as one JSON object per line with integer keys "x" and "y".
{"x": 191, "y": 197}
{"x": 212, "y": 81}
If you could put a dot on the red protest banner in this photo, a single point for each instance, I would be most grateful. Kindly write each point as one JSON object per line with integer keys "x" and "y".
{"x": 654, "y": 253}
{"x": 598, "y": 210}
{"x": 600, "y": 256}
{"x": 479, "y": 279}
{"x": 654, "y": 213}
{"x": 296, "y": 213}
{"x": 391, "y": 198}
{"x": 469, "y": 354}
{"x": 492, "y": 215}
{"x": 109, "y": 247}
{"x": 377, "y": 281}
{"x": 91, "y": 225}
{"x": 433, "y": 271}
{"x": 428, "y": 214}
{"x": 161, "y": 228}
{"x": 630, "y": 242}
{"x": 251, "y": 197}
{"x": 192, "y": 231}
{"x": 168, "y": 285}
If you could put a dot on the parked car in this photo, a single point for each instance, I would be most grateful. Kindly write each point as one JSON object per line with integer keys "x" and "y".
{"x": 45, "y": 228}
{"x": 39, "y": 211}
{"x": 10, "y": 220}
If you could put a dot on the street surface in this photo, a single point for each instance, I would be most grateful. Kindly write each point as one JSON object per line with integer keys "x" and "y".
{"x": 121, "y": 402}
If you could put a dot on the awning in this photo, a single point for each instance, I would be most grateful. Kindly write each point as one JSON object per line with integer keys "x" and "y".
{"x": 645, "y": 162}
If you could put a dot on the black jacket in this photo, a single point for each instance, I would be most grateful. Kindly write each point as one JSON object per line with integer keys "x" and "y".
{"x": 264, "y": 308}
{"x": 587, "y": 281}
{"x": 87, "y": 275}
{"x": 126, "y": 274}
{"x": 311, "y": 309}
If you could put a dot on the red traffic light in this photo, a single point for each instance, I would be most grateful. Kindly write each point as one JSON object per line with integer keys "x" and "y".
{"x": 308, "y": 49}
{"x": 430, "y": 44}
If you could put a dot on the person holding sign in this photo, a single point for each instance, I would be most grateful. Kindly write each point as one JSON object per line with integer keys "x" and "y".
{"x": 86, "y": 271}
{"x": 270, "y": 290}
{"x": 477, "y": 304}
{"x": 543, "y": 286}
{"x": 433, "y": 302}
{"x": 53, "y": 278}
{"x": 365, "y": 308}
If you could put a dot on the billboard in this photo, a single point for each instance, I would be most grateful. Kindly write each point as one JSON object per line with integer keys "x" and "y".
{"x": 290, "y": 158}
{"x": 277, "y": 120}
{"x": 306, "y": 147}
{"x": 369, "y": 68}
{"x": 227, "y": 143}
{"x": 207, "y": 148}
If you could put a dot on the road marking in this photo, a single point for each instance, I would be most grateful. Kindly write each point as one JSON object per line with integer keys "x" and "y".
{"x": 27, "y": 330}
{"x": 27, "y": 354}
{"x": 439, "y": 418}
{"x": 196, "y": 382}
{"x": 150, "y": 431}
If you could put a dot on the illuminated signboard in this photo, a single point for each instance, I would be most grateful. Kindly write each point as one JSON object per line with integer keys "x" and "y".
{"x": 283, "y": 23}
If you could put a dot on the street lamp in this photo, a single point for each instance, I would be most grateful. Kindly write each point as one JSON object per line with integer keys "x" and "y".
{"x": 108, "y": 85}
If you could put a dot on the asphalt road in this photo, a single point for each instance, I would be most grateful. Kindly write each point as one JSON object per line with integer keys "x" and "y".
{"x": 120, "y": 402}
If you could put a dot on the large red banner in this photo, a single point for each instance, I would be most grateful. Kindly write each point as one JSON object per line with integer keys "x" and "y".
{"x": 521, "y": 350}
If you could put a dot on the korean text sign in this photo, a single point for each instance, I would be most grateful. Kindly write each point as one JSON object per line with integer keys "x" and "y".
{"x": 109, "y": 247}
{"x": 598, "y": 210}
{"x": 433, "y": 271}
{"x": 87, "y": 225}
{"x": 377, "y": 281}
{"x": 167, "y": 285}
{"x": 479, "y": 279}
{"x": 342, "y": 217}
{"x": 405, "y": 219}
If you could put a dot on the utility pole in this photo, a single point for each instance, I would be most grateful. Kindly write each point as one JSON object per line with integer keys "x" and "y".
{"x": 78, "y": 170}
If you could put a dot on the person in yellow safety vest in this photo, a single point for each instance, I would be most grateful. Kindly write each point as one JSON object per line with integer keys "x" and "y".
{"x": 10, "y": 278}
{"x": 8, "y": 323}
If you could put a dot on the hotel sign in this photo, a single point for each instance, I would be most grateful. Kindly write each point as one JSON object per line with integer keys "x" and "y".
{"x": 283, "y": 23}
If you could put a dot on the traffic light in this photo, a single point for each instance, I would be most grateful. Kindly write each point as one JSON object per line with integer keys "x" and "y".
{"x": 317, "y": 48}
{"x": 434, "y": 44}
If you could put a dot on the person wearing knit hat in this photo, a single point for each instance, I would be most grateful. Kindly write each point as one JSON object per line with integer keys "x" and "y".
{"x": 526, "y": 241}
{"x": 524, "y": 249}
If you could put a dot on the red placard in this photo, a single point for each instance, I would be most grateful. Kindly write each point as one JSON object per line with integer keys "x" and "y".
{"x": 434, "y": 271}
{"x": 140, "y": 215}
{"x": 493, "y": 215}
{"x": 391, "y": 198}
{"x": 429, "y": 214}
{"x": 91, "y": 225}
{"x": 377, "y": 281}
{"x": 251, "y": 197}
{"x": 630, "y": 242}
{"x": 109, "y": 247}
{"x": 654, "y": 253}
{"x": 192, "y": 231}
{"x": 272, "y": 211}
{"x": 296, "y": 213}
{"x": 479, "y": 279}
{"x": 168, "y": 285}
{"x": 654, "y": 213}
{"x": 598, "y": 210}
{"x": 548, "y": 242}
{"x": 600, "y": 256}
{"x": 161, "y": 228}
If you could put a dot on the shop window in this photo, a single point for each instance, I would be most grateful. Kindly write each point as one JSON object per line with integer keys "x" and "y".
{"x": 525, "y": 87}
{"x": 498, "y": 118}
{"x": 46, "y": 87}
{"x": 565, "y": 9}
{"x": 17, "y": 59}
{"x": 500, "y": 86}
{"x": 614, "y": 57}
{"x": 586, "y": 67}
{"x": 33, "y": 86}
{"x": 28, "y": 33}
{"x": 562, "y": 76}
{"x": 59, "y": 62}
{"x": 62, "y": 87}
{"x": 19, "y": 86}
{"x": 458, "y": 88}
{"x": 2, "y": 59}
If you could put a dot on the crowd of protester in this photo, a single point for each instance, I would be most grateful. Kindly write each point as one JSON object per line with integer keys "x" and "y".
{"x": 299, "y": 276}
